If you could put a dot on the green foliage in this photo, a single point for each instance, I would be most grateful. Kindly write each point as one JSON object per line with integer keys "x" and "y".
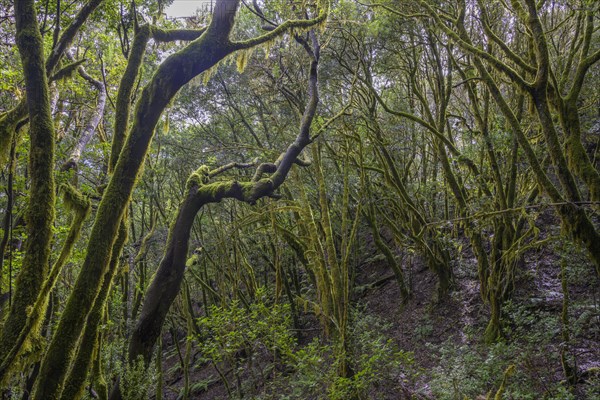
{"x": 527, "y": 323}
{"x": 300, "y": 372}
{"x": 10, "y": 78}
{"x": 382, "y": 66}
{"x": 471, "y": 370}
{"x": 374, "y": 360}
{"x": 467, "y": 372}
{"x": 592, "y": 386}
{"x": 424, "y": 328}
{"x": 137, "y": 381}
{"x": 233, "y": 328}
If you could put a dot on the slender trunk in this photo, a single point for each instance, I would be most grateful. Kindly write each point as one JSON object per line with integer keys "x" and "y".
{"x": 92, "y": 124}
{"x": 7, "y": 221}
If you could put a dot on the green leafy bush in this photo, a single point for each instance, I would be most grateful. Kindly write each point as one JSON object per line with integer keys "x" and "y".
{"x": 474, "y": 369}
{"x": 137, "y": 380}
{"x": 372, "y": 357}
{"x": 231, "y": 329}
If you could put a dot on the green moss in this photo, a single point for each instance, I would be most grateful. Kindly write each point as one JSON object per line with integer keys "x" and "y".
{"x": 290, "y": 26}
{"x": 579, "y": 162}
{"x": 510, "y": 370}
{"x": 8, "y": 124}
{"x": 75, "y": 382}
{"x": 67, "y": 71}
{"x": 126, "y": 86}
{"x": 199, "y": 177}
{"x": 73, "y": 199}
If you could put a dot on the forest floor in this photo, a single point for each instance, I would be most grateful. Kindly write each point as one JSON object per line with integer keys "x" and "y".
{"x": 444, "y": 336}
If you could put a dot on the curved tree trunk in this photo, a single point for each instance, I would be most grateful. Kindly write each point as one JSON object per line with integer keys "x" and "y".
{"x": 75, "y": 382}
{"x": 168, "y": 278}
{"x": 178, "y": 69}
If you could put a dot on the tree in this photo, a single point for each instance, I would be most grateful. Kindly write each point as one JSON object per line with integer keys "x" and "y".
{"x": 200, "y": 191}
{"x": 451, "y": 139}
{"x": 211, "y": 46}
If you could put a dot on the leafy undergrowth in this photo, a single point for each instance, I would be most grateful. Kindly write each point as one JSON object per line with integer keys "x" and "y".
{"x": 429, "y": 348}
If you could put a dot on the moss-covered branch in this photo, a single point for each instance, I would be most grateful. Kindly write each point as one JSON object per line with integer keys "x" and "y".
{"x": 287, "y": 26}
{"x": 69, "y": 34}
{"x": 8, "y": 125}
{"x": 123, "y": 105}
{"x": 67, "y": 71}
{"x": 167, "y": 281}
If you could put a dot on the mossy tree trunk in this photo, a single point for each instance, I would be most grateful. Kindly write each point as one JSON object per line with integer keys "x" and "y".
{"x": 88, "y": 343}
{"x": 29, "y": 333}
{"x": 40, "y": 211}
{"x": 167, "y": 281}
